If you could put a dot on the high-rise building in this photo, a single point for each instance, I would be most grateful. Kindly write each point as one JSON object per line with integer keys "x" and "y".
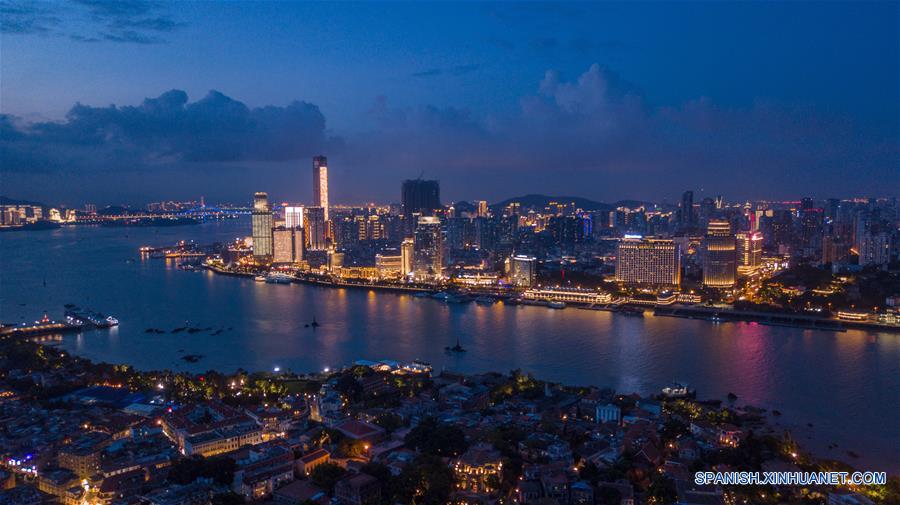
{"x": 719, "y": 255}
{"x": 407, "y": 253}
{"x": 314, "y": 228}
{"x": 648, "y": 262}
{"x": 262, "y": 224}
{"x": 749, "y": 252}
{"x": 293, "y": 217}
{"x": 874, "y": 249}
{"x": 320, "y": 183}
{"x": 428, "y": 249}
{"x": 288, "y": 245}
{"x": 421, "y": 197}
{"x": 522, "y": 270}
{"x": 687, "y": 218}
{"x": 481, "y": 208}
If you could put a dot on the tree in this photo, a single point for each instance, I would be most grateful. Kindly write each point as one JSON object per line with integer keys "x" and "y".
{"x": 426, "y": 481}
{"x": 430, "y": 437}
{"x": 326, "y": 476}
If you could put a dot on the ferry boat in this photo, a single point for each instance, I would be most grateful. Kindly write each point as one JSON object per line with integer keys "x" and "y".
{"x": 556, "y": 305}
{"x": 95, "y": 319}
{"x": 278, "y": 278}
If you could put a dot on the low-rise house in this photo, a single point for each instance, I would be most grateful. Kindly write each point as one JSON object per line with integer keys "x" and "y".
{"x": 477, "y": 468}
{"x": 308, "y": 462}
{"x": 299, "y": 493}
{"x": 357, "y": 489}
{"x": 261, "y": 468}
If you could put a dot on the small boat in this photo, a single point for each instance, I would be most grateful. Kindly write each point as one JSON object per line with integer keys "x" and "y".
{"x": 441, "y": 295}
{"x": 422, "y": 294}
{"x": 260, "y": 278}
{"x": 631, "y": 311}
{"x": 556, "y": 305}
{"x": 314, "y": 324}
{"x": 485, "y": 300}
{"x": 678, "y": 390}
{"x": 455, "y": 348}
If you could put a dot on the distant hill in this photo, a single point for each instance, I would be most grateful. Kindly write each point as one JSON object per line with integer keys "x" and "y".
{"x": 541, "y": 201}
{"x": 5, "y": 200}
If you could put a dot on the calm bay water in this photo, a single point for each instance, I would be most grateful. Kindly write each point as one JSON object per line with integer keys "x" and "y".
{"x": 846, "y": 384}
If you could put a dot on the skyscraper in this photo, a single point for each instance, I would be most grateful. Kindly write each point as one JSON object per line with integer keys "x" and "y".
{"x": 749, "y": 252}
{"x": 719, "y": 255}
{"x": 262, "y": 224}
{"x": 287, "y": 245}
{"x": 428, "y": 249}
{"x": 320, "y": 183}
{"x": 407, "y": 253}
{"x": 522, "y": 270}
{"x": 293, "y": 217}
{"x": 421, "y": 197}
{"x": 650, "y": 262}
{"x": 314, "y": 228}
{"x": 687, "y": 218}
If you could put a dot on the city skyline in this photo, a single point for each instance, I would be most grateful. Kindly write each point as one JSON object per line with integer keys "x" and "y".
{"x": 500, "y": 99}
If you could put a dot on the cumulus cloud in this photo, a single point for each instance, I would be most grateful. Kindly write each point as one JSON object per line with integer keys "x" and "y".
{"x": 164, "y": 130}
{"x": 598, "y": 132}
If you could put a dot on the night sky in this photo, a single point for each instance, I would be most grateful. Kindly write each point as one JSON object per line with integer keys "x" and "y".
{"x": 130, "y": 102}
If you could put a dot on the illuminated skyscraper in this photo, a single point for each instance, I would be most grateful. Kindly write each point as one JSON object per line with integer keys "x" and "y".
{"x": 522, "y": 270}
{"x": 749, "y": 252}
{"x": 293, "y": 217}
{"x": 428, "y": 251}
{"x": 686, "y": 215}
{"x": 262, "y": 224}
{"x": 314, "y": 228}
{"x": 320, "y": 183}
{"x": 481, "y": 208}
{"x": 719, "y": 255}
{"x": 288, "y": 245}
{"x": 407, "y": 252}
{"x": 648, "y": 262}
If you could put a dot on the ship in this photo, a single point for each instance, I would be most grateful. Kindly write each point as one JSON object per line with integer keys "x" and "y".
{"x": 678, "y": 390}
{"x": 88, "y": 317}
{"x": 278, "y": 278}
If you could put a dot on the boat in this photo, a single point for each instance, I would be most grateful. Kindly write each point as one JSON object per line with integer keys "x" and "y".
{"x": 457, "y": 299}
{"x": 678, "y": 390}
{"x": 260, "y": 278}
{"x": 278, "y": 278}
{"x": 485, "y": 300}
{"x": 455, "y": 348}
{"x": 556, "y": 305}
{"x": 631, "y": 311}
{"x": 422, "y": 294}
{"x": 441, "y": 295}
{"x": 95, "y": 319}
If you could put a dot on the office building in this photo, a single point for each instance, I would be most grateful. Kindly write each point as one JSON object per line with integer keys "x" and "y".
{"x": 420, "y": 197}
{"x": 320, "y": 183}
{"x": 749, "y": 252}
{"x": 481, "y": 208}
{"x": 262, "y": 224}
{"x": 287, "y": 245}
{"x": 648, "y": 262}
{"x": 428, "y": 248}
{"x": 314, "y": 228}
{"x": 293, "y": 217}
{"x": 407, "y": 253}
{"x": 719, "y": 255}
{"x": 522, "y": 270}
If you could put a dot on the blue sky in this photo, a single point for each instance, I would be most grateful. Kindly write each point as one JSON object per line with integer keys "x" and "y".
{"x": 587, "y": 99}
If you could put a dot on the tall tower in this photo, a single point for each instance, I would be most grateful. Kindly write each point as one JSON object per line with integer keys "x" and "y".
{"x": 428, "y": 249}
{"x": 720, "y": 255}
{"x": 320, "y": 183}
{"x": 262, "y": 223}
{"x": 687, "y": 209}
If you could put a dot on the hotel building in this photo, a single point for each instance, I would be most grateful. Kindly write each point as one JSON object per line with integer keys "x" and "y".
{"x": 648, "y": 262}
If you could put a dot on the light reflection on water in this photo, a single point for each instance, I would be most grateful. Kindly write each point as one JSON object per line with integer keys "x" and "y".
{"x": 845, "y": 384}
